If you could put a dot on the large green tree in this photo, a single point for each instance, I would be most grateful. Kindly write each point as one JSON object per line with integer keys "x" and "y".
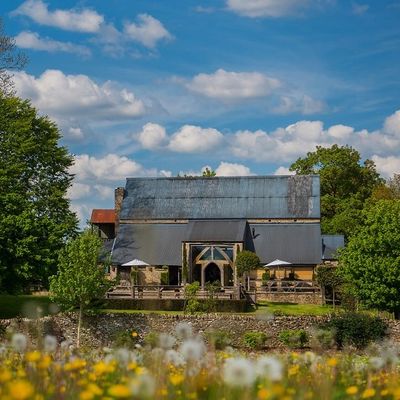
{"x": 370, "y": 263}
{"x": 35, "y": 218}
{"x": 80, "y": 279}
{"x": 346, "y": 183}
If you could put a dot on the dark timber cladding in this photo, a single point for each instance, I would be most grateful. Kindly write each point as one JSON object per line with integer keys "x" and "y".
{"x": 257, "y": 197}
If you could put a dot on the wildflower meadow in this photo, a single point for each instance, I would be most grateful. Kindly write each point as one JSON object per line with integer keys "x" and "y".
{"x": 183, "y": 366}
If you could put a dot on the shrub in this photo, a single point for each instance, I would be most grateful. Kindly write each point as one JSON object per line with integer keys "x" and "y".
{"x": 255, "y": 340}
{"x": 164, "y": 277}
{"x": 356, "y": 329}
{"x": 219, "y": 339}
{"x": 127, "y": 338}
{"x": 294, "y": 338}
{"x": 152, "y": 339}
{"x": 324, "y": 339}
{"x": 266, "y": 276}
{"x": 246, "y": 261}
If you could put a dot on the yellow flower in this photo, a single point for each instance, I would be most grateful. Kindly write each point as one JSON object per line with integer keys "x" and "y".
{"x": 101, "y": 368}
{"x": 93, "y": 388}
{"x": 263, "y": 394}
{"x": 33, "y": 356}
{"x": 176, "y": 379}
{"x": 45, "y": 362}
{"x": 86, "y": 395}
{"x": 20, "y": 390}
{"x": 75, "y": 365}
{"x": 134, "y": 334}
{"x": 293, "y": 370}
{"x": 332, "y": 362}
{"x": 119, "y": 391}
{"x": 132, "y": 366}
{"x": 385, "y": 392}
{"x": 5, "y": 375}
{"x": 367, "y": 393}
{"x": 352, "y": 390}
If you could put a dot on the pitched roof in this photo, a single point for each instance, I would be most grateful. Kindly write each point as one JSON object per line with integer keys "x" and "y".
{"x": 103, "y": 216}
{"x": 216, "y": 231}
{"x": 330, "y": 245}
{"x": 222, "y": 197}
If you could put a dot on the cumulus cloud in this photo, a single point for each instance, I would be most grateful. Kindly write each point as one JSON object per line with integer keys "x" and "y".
{"x": 80, "y": 20}
{"x": 267, "y": 8}
{"x": 387, "y": 166}
{"x": 32, "y": 40}
{"x": 225, "y": 85}
{"x": 97, "y": 177}
{"x": 190, "y": 138}
{"x": 72, "y": 97}
{"x": 147, "y": 30}
{"x": 232, "y": 169}
{"x": 298, "y": 103}
{"x": 152, "y": 136}
{"x": 283, "y": 171}
{"x": 392, "y": 124}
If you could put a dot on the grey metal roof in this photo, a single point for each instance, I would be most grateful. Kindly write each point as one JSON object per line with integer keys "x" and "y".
{"x": 295, "y": 243}
{"x": 330, "y": 245}
{"x": 216, "y": 231}
{"x": 222, "y": 197}
{"x": 156, "y": 244}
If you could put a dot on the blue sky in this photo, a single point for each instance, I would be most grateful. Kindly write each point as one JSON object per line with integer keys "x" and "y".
{"x": 157, "y": 88}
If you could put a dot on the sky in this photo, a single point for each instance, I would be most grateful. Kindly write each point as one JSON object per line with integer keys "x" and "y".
{"x": 161, "y": 88}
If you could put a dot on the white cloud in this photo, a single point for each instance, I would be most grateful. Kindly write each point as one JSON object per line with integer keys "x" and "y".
{"x": 387, "y": 166}
{"x": 148, "y": 31}
{"x": 392, "y": 124}
{"x": 80, "y": 20}
{"x": 224, "y": 85}
{"x": 283, "y": 171}
{"x": 73, "y": 97}
{"x": 232, "y": 169}
{"x": 190, "y": 138}
{"x": 267, "y": 8}
{"x": 78, "y": 190}
{"x": 32, "y": 40}
{"x": 152, "y": 136}
{"x": 298, "y": 103}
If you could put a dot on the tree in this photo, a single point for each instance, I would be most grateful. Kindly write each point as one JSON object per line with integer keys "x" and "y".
{"x": 328, "y": 277}
{"x": 209, "y": 173}
{"x": 370, "y": 263}
{"x": 389, "y": 190}
{"x": 10, "y": 60}
{"x": 246, "y": 261}
{"x": 346, "y": 183}
{"x": 35, "y": 218}
{"x": 80, "y": 279}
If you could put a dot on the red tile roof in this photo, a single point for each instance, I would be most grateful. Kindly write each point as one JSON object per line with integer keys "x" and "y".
{"x": 103, "y": 216}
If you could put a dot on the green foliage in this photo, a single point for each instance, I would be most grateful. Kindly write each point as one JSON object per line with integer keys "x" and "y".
{"x": 266, "y": 276}
{"x": 125, "y": 339}
{"x": 192, "y": 305}
{"x": 246, "y": 261}
{"x": 164, "y": 277}
{"x": 327, "y": 275}
{"x": 356, "y": 329}
{"x": 255, "y": 340}
{"x": 370, "y": 262}
{"x": 294, "y": 338}
{"x": 134, "y": 276}
{"x": 35, "y": 218}
{"x": 324, "y": 339}
{"x": 345, "y": 185}
{"x": 209, "y": 173}
{"x": 210, "y": 303}
{"x": 79, "y": 279}
{"x": 152, "y": 339}
{"x": 219, "y": 338}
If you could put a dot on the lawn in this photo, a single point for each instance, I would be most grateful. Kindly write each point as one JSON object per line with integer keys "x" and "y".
{"x": 25, "y": 306}
{"x": 265, "y": 307}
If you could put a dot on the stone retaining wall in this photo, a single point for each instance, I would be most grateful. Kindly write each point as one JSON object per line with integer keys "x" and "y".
{"x": 101, "y": 330}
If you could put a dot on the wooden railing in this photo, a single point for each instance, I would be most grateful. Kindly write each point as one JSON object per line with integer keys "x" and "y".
{"x": 290, "y": 287}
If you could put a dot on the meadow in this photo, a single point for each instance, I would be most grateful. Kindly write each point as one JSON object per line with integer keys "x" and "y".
{"x": 182, "y": 365}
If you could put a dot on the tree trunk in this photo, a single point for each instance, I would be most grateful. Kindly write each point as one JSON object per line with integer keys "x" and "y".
{"x": 78, "y": 336}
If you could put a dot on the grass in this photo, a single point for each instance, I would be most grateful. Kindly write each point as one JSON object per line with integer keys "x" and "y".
{"x": 265, "y": 307}
{"x": 24, "y": 306}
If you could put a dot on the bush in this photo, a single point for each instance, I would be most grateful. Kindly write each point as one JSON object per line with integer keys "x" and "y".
{"x": 294, "y": 338}
{"x": 126, "y": 339}
{"x": 266, "y": 276}
{"x": 356, "y": 329}
{"x": 246, "y": 261}
{"x": 324, "y": 339}
{"x": 255, "y": 340}
{"x": 219, "y": 339}
{"x": 152, "y": 339}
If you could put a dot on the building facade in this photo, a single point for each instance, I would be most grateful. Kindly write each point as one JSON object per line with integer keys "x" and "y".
{"x": 191, "y": 229}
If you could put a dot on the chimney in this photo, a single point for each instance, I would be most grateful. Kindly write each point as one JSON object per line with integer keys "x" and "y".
{"x": 119, "y": 196}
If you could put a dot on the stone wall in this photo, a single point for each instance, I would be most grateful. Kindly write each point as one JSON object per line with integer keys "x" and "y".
{"x": 102, "y": 329}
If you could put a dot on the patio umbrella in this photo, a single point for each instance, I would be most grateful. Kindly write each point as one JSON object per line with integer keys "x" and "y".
{"x": 135, "y": 263}
{"x": 278, "y": 263}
